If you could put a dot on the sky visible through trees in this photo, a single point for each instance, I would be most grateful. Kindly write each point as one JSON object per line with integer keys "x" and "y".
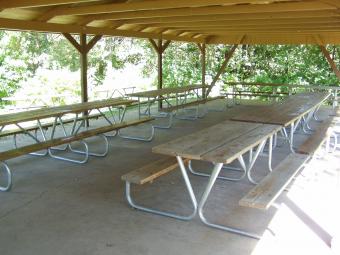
{"x": 40, "y": 63}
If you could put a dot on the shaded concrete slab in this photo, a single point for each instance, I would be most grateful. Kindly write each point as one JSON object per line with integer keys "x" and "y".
{"x": 58, "y": 207}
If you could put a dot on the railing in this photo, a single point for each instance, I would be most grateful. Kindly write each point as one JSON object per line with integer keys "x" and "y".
{"x": 274, "y": 90}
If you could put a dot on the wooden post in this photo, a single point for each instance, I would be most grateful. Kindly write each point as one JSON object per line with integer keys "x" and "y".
{"x": 202, "y": 48}
{"x": 83, "y": 68}
{"x": 227, "y": 57}
{"x": 160, "y": 48}
{"x": 83, "y": 48}
{"x": 335, "y": 70}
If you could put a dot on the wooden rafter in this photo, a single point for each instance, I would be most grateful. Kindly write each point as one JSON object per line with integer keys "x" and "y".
{"x": 217, "y": 10}
{"x": 153, "y": 5}
{"x": 199, "y": 21}
{"x": 37, "y": 3}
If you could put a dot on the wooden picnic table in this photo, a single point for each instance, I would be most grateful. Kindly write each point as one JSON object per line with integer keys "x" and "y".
{"x": 19, "y": 117}
{"x": 221, "y": 144}
{"x": 283, "y": 113}
{"x": 165, "y": 91}
{"x": 290, "y": 112}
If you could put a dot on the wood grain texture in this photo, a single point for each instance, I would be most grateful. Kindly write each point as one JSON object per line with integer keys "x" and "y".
{"x": 151, "y": 171}
{"x": 201, "y": 145}
{"x": 265, "y": 193}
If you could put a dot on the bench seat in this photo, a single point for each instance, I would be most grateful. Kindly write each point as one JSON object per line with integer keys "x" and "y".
{"x": 265, "y": 193}
{"x": 151, "y": 171}
{"x": 322, "y": 133}
{"x": 45, "y": 126}
{"x": 64, "y": 140}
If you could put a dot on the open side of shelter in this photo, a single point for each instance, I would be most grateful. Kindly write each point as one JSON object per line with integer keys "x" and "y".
{"x": 199, "y": 21}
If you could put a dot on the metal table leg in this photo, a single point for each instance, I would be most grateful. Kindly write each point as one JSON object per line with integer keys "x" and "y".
{"x": 163, "y": 213}
{"x": 8, "y": 172}
{"x": 212, "y": 179}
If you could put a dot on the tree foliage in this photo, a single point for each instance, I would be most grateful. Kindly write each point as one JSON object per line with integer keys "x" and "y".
{"x": 22, "y": 54}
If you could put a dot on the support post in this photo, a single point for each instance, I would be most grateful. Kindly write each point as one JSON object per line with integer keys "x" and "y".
{"x": 83, "y": 68}
{"x": 160, "y": 47}
{"x": 83, "y": 47}
{"x": 202, "y": 48}
{"x": 335, "y": 70}
{"x": 227, "y": 57}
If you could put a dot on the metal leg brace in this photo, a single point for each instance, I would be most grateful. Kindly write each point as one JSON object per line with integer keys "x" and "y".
{"x": 8, "y": 172}
{"x": 212, "y": 180}
{"x": 163, "y": 213}
{"x": 198, "y": 173}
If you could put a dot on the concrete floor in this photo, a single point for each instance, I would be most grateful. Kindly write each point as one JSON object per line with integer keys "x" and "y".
{"x": 57, "y": 207}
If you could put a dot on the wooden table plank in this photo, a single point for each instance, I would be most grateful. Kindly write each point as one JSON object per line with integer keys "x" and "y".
{"x": 236, "y": 147}
{"x": 13, "y": 118}
{"x": 202, "y": 144}
{"x": 286, "y": 112}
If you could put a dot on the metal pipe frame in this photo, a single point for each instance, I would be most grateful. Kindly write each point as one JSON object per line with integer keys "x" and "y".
{"x": 95, "y": 154}
{"x": 216, "y": 170}
{"x": 252, "y": 159}
{"x": 34, "y": 137}
{"x": 5, "y": 167}
{"x": 163, "y": 213}
{"x": 199, "y": 173}
{"x": 170, "y": 116}
{"x": 83, "y": 161}
{"x": 196, "y": 116}
{"x": 144, "y": 139}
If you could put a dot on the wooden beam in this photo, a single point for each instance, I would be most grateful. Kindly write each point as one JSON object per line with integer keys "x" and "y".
{"x": 165, "y": 45}
{"x": 73, "y": 41}
{"x": 250, "y": 17}
{"x": 251, "y": 23}
{"x": 217, "y": 10}
{"x": 37, "y": 3}
{"x": 330, "y": 61}
{"x": 93, "y": 42}
{"x": 151, "y": 5}
{"x": 23, "y": 25}
{"x": 227, "y": 57}
{"x": 154, "y": 45}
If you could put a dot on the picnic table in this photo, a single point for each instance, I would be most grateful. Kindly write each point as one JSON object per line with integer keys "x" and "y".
{"x": 43, "y": 141}
{"x": 165, "y": 94}
{"x": 290, "y": 112}
{"x": 219, "y": 144}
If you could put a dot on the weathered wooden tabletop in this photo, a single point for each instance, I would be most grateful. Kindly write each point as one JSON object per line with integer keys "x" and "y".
{"x": 165, "y": 91}
{"x": 221, "y": 143}
{"x": 285, "y": 112}
{"x": 8, "y": 119}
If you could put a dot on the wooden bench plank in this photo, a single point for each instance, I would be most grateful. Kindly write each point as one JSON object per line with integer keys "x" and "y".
{"x": 151, "y": 171}
{"x": 264, "y": 193}
{"x": 317, "y": 138}
{"x": 45, "y": 125}
{"x": 64, "y": 140}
